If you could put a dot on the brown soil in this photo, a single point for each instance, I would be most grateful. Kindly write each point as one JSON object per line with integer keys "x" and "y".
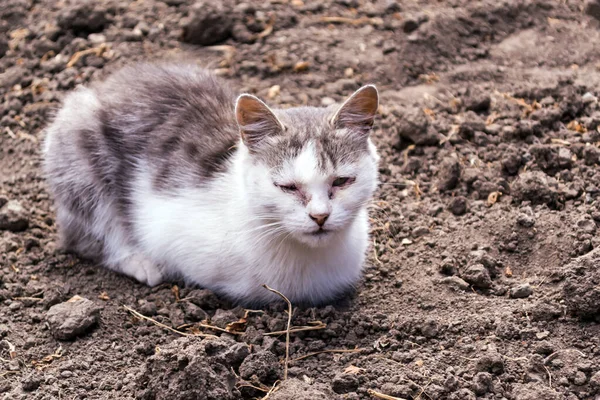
{"x": 483, "y": 279}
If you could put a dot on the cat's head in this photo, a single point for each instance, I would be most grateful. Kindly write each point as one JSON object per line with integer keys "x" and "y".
{"x": 309, "y": 171}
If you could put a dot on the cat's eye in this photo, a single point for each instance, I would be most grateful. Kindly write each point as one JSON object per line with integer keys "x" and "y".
{"x": 341, "y": 181}
{"x": 288, "y": 188}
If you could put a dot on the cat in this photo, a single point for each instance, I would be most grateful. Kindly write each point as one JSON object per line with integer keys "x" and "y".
{"x": 160, "y": 173}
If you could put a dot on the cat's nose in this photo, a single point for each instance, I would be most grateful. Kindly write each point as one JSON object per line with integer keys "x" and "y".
{"x": 319, "y": 218}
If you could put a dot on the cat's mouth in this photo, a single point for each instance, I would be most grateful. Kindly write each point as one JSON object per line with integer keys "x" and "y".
{"x": 320, "y": 232}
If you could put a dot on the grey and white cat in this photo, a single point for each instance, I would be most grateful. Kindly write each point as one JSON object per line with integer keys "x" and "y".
{"x": 160, "y": 173}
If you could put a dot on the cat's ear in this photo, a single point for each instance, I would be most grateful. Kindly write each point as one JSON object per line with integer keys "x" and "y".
{"x": 256, "y": 120}
{"x": 358, "y": 111}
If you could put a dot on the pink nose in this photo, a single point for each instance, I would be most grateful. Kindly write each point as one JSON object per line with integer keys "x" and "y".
{"x": 319, "y": 218}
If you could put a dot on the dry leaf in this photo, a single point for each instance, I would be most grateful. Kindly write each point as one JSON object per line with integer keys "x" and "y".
{"x": 301, "y": 66}
{"x": 419, "y": 363}
{"x": 493, "y": 198}
{"x": 237, "y": 326}
{"x": 576, "y": 126}
{"x": 353, "y": 370}
{"x": 175, "y": 291}
{"x": 74, "y": 299}
{"x": 103, "y": 296}
{"x": 508, "y": 272}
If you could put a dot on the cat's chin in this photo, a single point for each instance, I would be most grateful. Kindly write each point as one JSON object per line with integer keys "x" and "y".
{"x": 315, "y": 239}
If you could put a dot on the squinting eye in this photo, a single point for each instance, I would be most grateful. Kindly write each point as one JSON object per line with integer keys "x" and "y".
{"x": 288, "y": 188}
{"x": 340, "y": 181}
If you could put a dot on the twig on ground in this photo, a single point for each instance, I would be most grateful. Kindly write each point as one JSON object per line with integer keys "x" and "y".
{"x": 273, "y": 389}
{"x": 327, "y": 351}
{"x": 287, "y": 335}
{"x": 320, "y": 325}
{"x": 556, "y": 353}
{"x": 98, "y": 51}
{"x": 383, "y": 396}
{"x": 155, "y": 322}
{"x": 549, "y": 376}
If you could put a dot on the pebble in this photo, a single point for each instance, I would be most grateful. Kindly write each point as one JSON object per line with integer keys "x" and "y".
{"x": 327, "y": 101}
{"x": 13, "y": 216}
{"x": 589, "y": 98}
{"x": 525, "y": 220}
{"x": 449, "y": 174}
{"x": 521, "y": 291}
{"x": 478, "y": 276}
{"x": 458, "y": 206}
{"x": 455, "y": 282}
{"x": 72, "y": 318}
{"x": 209, "y": 24}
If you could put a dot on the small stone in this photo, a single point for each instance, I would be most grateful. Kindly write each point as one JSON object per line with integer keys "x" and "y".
{"x": 344, "y": 383}
{"x": 455, "y": 282}
{"x": 478, "y": 276}
{"x": 13, "y": 217}
{"x": 579, "y": 378}
{"x": 263, "y": 364}
{"x": 592, "y": 8}
{"x": 223, "y": 317}
{"x": 82, "y": 17}
{"x": 542, "y": 335}
{"x": 521, "y": 291}
{"x": 525, "y": 220}
{"x": 193, "y": 312}
{"x": 31, "y": 382}
{"x": 589, "y": 98}
{"x": 203, "y": 298}
{"x": 492, "y": 363}
{"x": 420, "y": 231}
{"x": 327, "y": 101}
{"x": 449, "y": 175}
{"x": 586, "y": 225}
{"x": 482, "y": 383}
{"x": 147, "y": 308}
{"x": 458, "y": 206}
{"x": 210, "y": 23}
{"x": 72, "y": 318}
{"x": 595, "y": 380}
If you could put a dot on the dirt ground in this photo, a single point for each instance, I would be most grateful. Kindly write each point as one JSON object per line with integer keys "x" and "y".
{"x": 483, "y": 279}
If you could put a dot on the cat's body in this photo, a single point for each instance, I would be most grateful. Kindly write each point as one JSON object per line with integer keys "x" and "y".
{"x": 152, "y": 178}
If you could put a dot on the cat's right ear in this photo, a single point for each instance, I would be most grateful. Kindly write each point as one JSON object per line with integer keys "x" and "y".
{"x": 256, "y": 120}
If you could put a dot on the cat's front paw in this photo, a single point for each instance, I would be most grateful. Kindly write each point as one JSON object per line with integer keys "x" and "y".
{"x": 142, "y": 269}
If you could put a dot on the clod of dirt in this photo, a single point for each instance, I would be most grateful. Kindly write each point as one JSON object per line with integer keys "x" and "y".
{"x": 295, "y": 389}
{"x": 526, "y": 220}
{"x": 591, "y": 155}
{"x": 581, "y": 290}
{"x": 491, "y": 362}
{"x": 482, "y": 383}
{"x": 31, "y": 382}
{"x": 203, "y": 298}
{"x": 478, "y": 276}
{"x": 12, "y": 216}
{"x": 210, "y": 23}
{"x": 263, "y": 365}
{"x": 535, "y": 391}
{"x": 72, "y": 318}
{"x": 455, "y": 283}
{"x": 459, "y": 205}
{"x": 521, "y": 291}
{"x": 187, "y": 369}
{"x": 449, "y": 175}
{"x": 536, "y": 187}
{"x": 587, "y": 225}
{"x": 412, "y": 125}
{"x": 344, "y": 383}
{"x": 551, "y": 159}
{"x": 83, "y": 17}
{"x": 512, "y": 163}
{"x": 592, "y": 8}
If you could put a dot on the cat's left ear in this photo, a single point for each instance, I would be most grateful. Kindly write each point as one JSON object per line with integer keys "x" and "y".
{"x": 358, "y": 111}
